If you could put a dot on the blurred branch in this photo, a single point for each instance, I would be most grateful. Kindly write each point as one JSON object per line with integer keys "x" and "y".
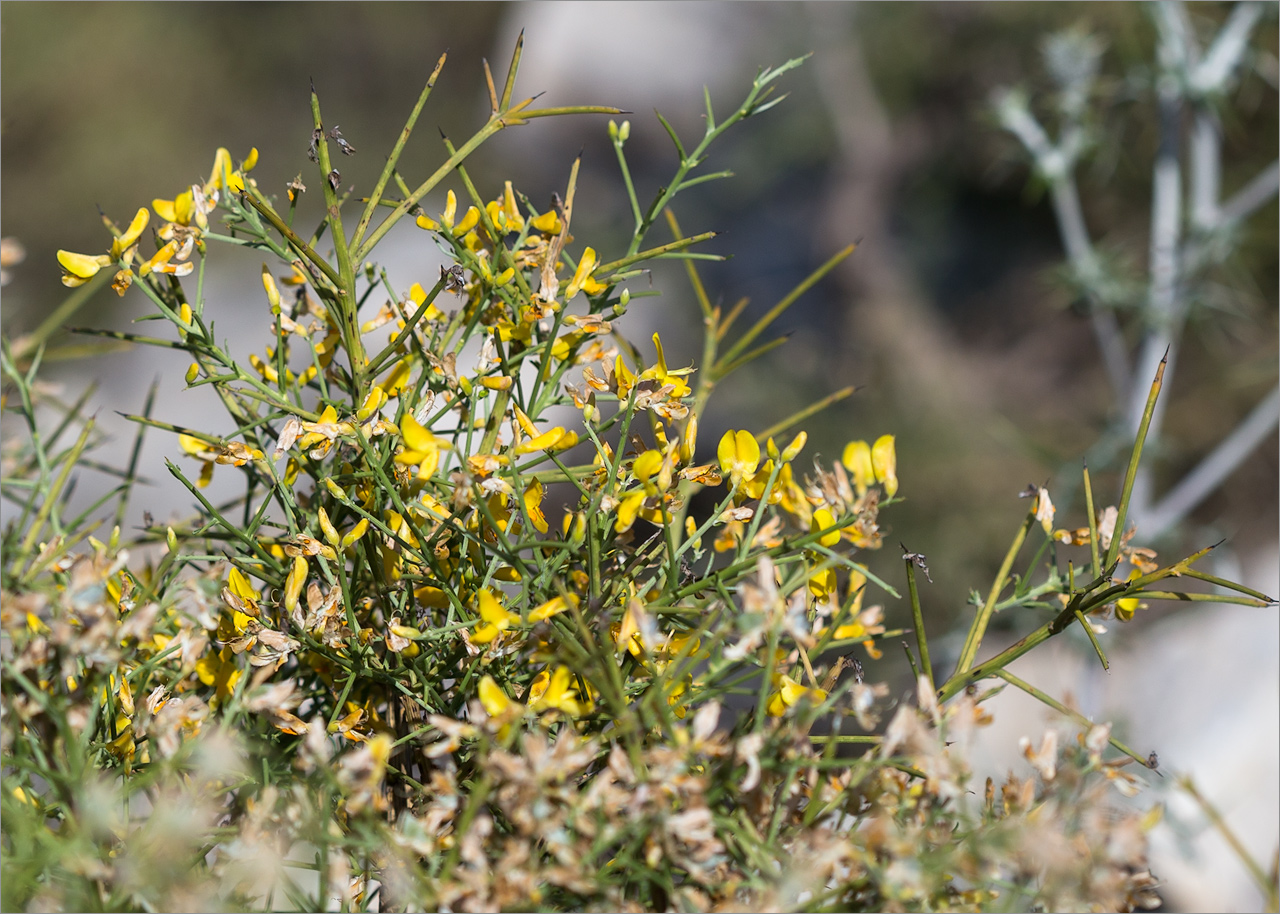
{"x": 1253, "y": 195}
{"x": 1056, "y": 165}
{"x": 1216, "y": 467}
{"x": 1215, "y": 71}
{"x": 1185, "y": 78}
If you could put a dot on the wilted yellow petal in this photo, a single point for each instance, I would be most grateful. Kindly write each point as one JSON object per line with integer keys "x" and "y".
{"x": 1044, "y": 510}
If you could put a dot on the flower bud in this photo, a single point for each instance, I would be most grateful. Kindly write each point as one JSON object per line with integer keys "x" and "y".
{"x": 793, "y": 449}
{"x": 293, "y": 583}
{"x": 336, "y": 490}
{"x": 354, "y": 534}
{"x": 327, "y": 528}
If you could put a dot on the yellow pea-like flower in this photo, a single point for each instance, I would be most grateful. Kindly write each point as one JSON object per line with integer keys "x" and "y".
{"x": 857, "y": 460}
{"x": 646, "y": 465}
{"x": 582, "y": 280}
{"x": 739, "y": 455}
{"x": 353, "y": 535}
{"x": 495, "y": 701}
{"x": 884, "y": 463}
{"x": 327, "y": 528}
{"x": 293, "y": 583}
{"x": 273, "y": 292}
{"x": 823, "y": 520}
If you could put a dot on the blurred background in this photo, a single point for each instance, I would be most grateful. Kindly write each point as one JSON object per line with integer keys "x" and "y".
{"x": 953, "y": 318}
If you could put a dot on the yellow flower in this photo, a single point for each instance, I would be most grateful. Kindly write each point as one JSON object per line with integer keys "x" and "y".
{"x": 884, "y": 462}
{"x": 504, "y": 213}
{"x": 418, "y": 295}
{"x": 533, "y": 506}
{"x": 293, "y": 583}
{"x": 739, "y": 455}
{"x": 219, "y": 670}
{"x": 496, "y": 619}
{"x": 552, "y": 607}
{"x": 1126, "y": 607}
{"x": 824, "y": 521}
{"x": 120, "y": 246}
{"x": 557, "y": 691}
{"x": 80, "y": 268}
{"x": 193, "y": 205}
{"x": 204, "y": 452}
{"x": 423, "y": 448}
{"x": 870, "y": 464}
{"x": 548, "y": 223}
{"x": 468, "y": 222}
{"x": 495, "y": 701}
{"x": 161, "y": 260}
{"x": 857, "y": 460}
{"x": 582, "y": 281}
{"x": 222, "y": 174}
{"x": 664, "y": 376}
{"x": 790, "y": 693}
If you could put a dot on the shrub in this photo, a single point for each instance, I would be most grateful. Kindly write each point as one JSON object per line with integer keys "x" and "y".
{"x": 468, "y": 641}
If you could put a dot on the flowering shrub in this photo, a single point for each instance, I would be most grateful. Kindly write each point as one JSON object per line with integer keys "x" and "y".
{"x": 466, "y": 642}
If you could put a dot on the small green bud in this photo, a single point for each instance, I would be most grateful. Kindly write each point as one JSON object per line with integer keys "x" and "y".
{"x": 336, "y": 490}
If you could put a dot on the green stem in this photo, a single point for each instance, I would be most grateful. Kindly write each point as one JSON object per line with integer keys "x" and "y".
{"x": 1064, "y": 710}
{"x": 55, "y": 491}
{"x": 1093, "y": 523}
{"x": 917, "y": 619}
{"x": 375, "y": 198}
{"x": 979, "y": 628}
{"x": 1117, "y": 534}
{"x": 1093, "y": 639}
{"x": 349, "y": 321}
{"x": 24, "y": 346}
